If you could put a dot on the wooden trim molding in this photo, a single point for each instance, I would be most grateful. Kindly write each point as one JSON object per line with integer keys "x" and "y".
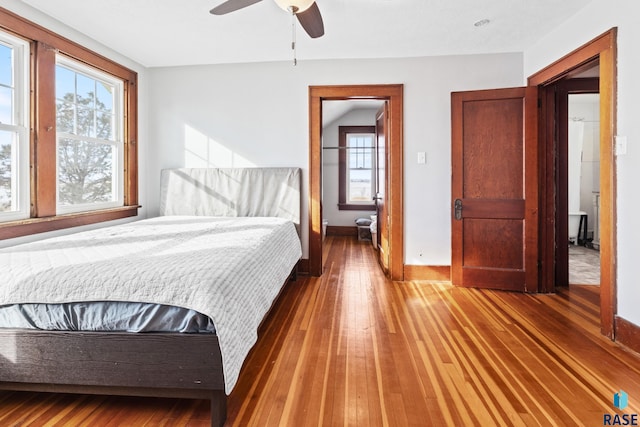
{"x": 574, "y": 60}
{"x": 627, "y": 334}
{"x": 438, "y": 273}
{"x": 43, "y": 112}
{"x": 131, "y": 142}
{"x": 364, "y": 208}
{"x": 342, "y": 230}
{"x": 29, "y": 226}
{"x": 303, "y": 266}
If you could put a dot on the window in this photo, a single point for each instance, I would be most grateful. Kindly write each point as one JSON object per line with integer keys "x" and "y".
{"x": 89, "y": 138}
{"x": 360, "y": 171}
{"x": 68, "y": 130}
{"x": 14, "y": 135}
{"x": 357, "y": 167}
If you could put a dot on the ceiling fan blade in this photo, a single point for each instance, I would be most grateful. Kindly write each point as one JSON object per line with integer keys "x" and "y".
{"x": 311, "y": 21}
{"x": 231, "y": 6}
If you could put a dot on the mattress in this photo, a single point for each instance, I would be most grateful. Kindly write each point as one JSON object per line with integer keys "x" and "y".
{"x": 105, "y": 316}
{"x": 228, "y": 269}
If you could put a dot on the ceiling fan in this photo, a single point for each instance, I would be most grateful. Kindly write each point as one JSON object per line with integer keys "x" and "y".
{"x": 306, "y": 11}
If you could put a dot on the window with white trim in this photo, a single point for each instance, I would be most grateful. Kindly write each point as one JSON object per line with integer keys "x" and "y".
{"x": 89, "y": 122}
{"x": 14, "y": 134}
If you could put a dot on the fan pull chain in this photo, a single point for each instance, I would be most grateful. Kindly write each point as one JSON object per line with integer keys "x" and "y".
{"x": 293, "y": 9}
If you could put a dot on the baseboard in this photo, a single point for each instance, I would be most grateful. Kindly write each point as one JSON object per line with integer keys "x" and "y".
{"x": 303, "y": 266}
{"x": 342, "y": 230}
{"x": 627, "y": 334}
{"x": 440, "y": 273}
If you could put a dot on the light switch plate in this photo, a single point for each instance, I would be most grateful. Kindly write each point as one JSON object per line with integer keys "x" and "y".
{"x": 621, "y": 145}
{"x": 422, "y": 157}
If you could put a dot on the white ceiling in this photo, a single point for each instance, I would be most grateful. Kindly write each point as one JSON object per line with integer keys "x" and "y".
{"x": 159, "y": 33}
{"x": 334, "y": 109}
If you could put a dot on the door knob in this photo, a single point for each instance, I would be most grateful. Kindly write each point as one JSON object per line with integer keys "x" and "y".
{"x": 457, "y": 209}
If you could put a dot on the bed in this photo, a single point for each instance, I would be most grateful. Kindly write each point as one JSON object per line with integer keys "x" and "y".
{"x": 201, "y": 278}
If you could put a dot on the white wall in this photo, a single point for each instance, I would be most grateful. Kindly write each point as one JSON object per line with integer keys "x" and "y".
{"x": 330, "y": 167}
{"x": 37, "y": 17}
{"x": 594, "y": 19}
{"x": 257, "y": 114}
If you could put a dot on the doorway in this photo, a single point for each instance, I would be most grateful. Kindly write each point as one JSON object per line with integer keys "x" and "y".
{"x": 392, "y": 94}
{"x": 543, "y": 247}
{"x": 578, "y": 180}
{"x": 349, "y": 169}
{"x": 553, "y": 219}
{"x": 584, "y": 188}
{"x": 584, "y": 142}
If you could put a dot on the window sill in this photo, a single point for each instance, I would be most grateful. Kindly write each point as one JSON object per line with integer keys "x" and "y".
{"x": 30, "y": 226}
{"x": 352, "y": 207}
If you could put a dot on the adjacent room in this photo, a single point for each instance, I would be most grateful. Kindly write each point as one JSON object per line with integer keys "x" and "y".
{"x": 331, "y": 212}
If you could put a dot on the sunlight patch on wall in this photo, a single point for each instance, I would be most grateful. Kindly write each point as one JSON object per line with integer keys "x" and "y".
{"x": 201, "y": 151}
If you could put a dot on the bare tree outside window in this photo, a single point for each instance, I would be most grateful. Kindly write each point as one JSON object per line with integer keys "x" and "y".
{"x": 5, "y": 177}
{"x": 84, "y": 167}
{"x": 9, "y": 126}
{"x": 6, "y": 106}
{"x": 87, "y": 149}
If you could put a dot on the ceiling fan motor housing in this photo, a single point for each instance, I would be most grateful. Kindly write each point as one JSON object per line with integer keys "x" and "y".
{"x": 297, "y": 5}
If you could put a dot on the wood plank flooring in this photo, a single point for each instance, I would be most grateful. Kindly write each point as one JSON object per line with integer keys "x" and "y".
{"x": 352, "y": 348}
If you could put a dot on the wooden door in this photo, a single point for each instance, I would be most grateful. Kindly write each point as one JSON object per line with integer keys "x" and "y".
{"x": 381, "y": 187}
{"x": 494, "y": 189}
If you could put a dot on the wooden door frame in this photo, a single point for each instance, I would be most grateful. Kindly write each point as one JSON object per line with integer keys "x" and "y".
{"x": 383, "y": 114}
{"x": 393, "y": 93}
{"x": 604, "y": 50}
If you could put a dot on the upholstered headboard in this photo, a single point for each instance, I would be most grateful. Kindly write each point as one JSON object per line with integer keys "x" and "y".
{"x": 232, "y": 192}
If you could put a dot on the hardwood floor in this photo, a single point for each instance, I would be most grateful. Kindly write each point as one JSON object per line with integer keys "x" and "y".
{"x": 352, "y": 348}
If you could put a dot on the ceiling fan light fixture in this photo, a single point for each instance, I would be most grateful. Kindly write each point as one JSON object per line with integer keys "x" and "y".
{"x": 297, "y": 5}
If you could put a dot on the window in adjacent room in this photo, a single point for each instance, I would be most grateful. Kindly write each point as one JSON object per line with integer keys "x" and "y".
{"x": 89, "y": 136}
{"x": 357, "y": 167}
{"x": 14, "y": 135}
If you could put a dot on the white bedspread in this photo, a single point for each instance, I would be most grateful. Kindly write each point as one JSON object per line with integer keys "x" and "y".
{"x": 230, "y": 269}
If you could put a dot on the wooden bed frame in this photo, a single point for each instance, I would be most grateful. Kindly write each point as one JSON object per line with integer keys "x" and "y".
{"x": 129, "y": 364}
{"x": 174, "y": 365}
{"x": 147, "y": 364}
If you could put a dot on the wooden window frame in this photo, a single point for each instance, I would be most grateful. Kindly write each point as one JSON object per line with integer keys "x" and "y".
{"x": 343, "y": 204}
{"x": 42, "y": 130}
